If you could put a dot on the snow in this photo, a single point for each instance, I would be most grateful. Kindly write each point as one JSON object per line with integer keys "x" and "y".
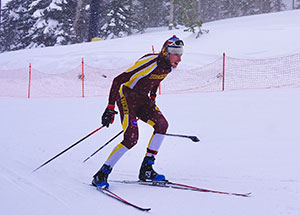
{"x": 54, "y": 5}
{"x": 51, "y": 25}
{"x": 38, "y": 14}
{"x": 249, "y": 139}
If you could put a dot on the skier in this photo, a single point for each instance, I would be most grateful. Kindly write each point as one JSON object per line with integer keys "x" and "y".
{"x": 134, "y": 91}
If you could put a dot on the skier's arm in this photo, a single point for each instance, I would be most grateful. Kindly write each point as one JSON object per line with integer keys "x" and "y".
{"x": 109, "y": 113}
{"x": 115, "y": 87}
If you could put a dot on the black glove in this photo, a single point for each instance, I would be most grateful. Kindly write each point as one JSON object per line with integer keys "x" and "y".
{"x": 108, "y": 116}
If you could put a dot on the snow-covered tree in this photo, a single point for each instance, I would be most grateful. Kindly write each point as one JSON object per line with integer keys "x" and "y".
{"x": 248, "y": 8}
{"x": 118, "y": 19}
{"x": 15, "y": 25}
{"x": 277, "y": 5}
{"x": 0, "y": 11}
{"x": 37, "y": 23}
{"x": 151, "y": 13}
{"x": 265, "y": 6}
{"x": 53, "y": 22}
{"x": 232, "y": 8}
{"x": 188, "y": 15}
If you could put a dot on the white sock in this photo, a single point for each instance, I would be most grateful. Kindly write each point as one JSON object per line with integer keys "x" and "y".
{"x": 154, "y": 144}
{"x": 115, "y": 155}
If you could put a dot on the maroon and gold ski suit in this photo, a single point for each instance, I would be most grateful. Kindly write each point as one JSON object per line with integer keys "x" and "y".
{"x": 131, "y": 91}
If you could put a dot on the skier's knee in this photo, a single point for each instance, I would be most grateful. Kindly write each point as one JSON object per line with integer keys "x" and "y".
{"x": 161, "y": 126}
{"x": 129, "y": 144}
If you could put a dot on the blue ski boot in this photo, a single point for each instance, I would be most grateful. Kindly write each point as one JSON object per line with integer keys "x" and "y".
{"x": 100, "y": 178}
{"x": 147, "y": 173}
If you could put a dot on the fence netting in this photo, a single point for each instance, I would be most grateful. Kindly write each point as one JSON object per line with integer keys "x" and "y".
{"x": 262, "y": 73}
{"x": 14, "y": 83}
{"x": 203, "y": 79}
{"x": 89, "y": 81}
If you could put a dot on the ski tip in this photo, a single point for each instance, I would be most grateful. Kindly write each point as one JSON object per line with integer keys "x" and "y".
{"x": 249, "y": 194}
{"x": 195, "y": 139}
{"x": 246, "y": 194}
{"x": 146, "y": 209}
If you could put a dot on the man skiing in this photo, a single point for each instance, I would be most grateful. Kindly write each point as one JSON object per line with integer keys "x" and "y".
{"x": 134, "y": 91}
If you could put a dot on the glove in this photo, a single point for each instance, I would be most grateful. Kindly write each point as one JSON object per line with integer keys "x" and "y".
{"x": 108, "y": 115}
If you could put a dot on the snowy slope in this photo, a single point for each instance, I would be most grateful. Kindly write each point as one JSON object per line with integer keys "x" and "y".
{"x": 249, "y": 139}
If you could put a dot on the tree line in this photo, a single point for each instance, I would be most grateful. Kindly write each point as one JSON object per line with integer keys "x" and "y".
{"x": 41, "y": 23}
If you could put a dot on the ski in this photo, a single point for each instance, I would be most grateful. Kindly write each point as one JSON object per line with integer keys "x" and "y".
{"x": 169, "y": 184}
{"x": 109, "y": 193}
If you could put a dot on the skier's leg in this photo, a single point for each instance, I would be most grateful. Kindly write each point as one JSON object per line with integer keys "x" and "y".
{"x": 155, "y": 118}
{"x": 130, "y": 139}
{"x": 130, "y": 128}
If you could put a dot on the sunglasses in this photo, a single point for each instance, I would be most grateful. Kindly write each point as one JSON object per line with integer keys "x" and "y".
{"x": 176, "y": 43}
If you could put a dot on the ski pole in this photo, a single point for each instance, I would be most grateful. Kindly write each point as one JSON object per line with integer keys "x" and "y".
{"x": 103, "y": 146}
{"x": 48, "y": 161}
{"x": 193, "y": 138}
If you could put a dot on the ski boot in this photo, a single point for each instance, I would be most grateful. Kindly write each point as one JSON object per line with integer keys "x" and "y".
{"x": 100, "y": 178}
{"x": 147, "y": 173}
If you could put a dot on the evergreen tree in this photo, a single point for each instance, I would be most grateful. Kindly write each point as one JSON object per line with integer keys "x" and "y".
{"x": 277, "y": 5}
{"x": 53, "y": 22}
{"x": 188, "y": 16}
{"x": 118, "y": 19}
{"x": 15, "y": 25}
{"x": 228, "y": 9}
{"x": 0, "y": 11}
{"x": 231, "y": 8}
{"x": 36, "y": 23}
{"x": 298, "y": 4}
{"x": 151, "y": 13}
{"x": 210, "y": 10}
{"x": 265, "y": 6}
{"x": 248, "y": 7}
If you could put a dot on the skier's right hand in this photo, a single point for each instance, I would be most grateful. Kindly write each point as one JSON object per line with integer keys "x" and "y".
{"x": 108, "y": 115}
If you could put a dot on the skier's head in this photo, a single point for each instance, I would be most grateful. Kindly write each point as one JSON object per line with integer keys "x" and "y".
{"x": 172, "y": 50}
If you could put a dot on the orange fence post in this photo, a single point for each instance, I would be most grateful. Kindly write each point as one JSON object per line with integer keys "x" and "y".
{"x": 82, "y": 77}
{"x": 29, "y": 81}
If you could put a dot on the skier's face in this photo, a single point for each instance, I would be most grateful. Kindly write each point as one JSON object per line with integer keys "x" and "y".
{"x": 175, "y": 59}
